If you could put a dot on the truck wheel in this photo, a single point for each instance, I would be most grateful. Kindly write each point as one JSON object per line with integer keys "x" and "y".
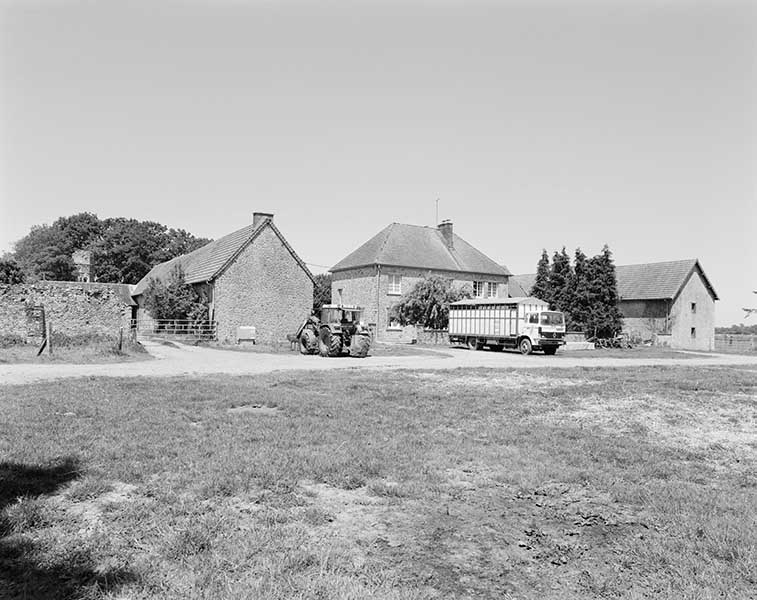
{"x": 360, "y": 346}
{"x": 525, "y": 346}
{"x": 550, "y": 350}
{"x": 308, "y": 342}
{"x": 474, "y": 345}
{"x": 329, "y": 344}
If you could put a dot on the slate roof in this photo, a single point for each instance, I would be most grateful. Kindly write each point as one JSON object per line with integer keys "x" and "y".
{"x": 645, "y": 281}
{"x": 420, "y": 247}
{"x": 208, "y": 262}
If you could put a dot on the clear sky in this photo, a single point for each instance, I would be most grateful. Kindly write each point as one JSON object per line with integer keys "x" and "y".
{"x": 536, "y": 123}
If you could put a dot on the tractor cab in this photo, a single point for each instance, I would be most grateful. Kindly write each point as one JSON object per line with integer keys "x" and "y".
{"x": 343, "y": 315}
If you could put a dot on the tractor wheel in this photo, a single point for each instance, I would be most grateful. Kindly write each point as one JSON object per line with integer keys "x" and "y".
{"x": 308, "y": 342}
{"x": 525, "y": 346}
{"x": 360, "y": 346}
{"x": 329, "y": 344}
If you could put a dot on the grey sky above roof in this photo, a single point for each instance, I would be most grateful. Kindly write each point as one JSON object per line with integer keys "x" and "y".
{"x": 646, "y": 281}
{"x": 536, "y": 123}
{"x": 206, "y": 263}
{"x": 420, "y": 247}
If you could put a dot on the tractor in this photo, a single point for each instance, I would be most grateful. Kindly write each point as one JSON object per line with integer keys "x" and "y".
{"x": 339, "y": 330}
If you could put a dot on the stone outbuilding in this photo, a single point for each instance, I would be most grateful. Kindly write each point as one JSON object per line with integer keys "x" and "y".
{"x": 378, "y": 273}
{"x": 251, "y": 277}
{"x": 669, "y": 303}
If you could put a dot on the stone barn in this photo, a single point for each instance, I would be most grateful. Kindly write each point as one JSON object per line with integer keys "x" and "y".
{"x": 669, "y": 303}
{"x": 251, "y": 277}
{"x": 378, "y": 273}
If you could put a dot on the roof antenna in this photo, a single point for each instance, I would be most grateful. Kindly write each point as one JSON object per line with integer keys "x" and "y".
{"x": 437, "y": 212}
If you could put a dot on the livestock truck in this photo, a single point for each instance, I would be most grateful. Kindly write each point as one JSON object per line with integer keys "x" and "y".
{"x": 523, "y": 323}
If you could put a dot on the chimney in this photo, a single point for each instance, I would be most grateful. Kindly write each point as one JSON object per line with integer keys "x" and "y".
{"x": 257, "y": 218}
{"x": 446, "y": 229}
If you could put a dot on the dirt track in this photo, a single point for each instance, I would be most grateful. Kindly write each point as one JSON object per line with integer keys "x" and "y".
{"x": 190, "y": 360}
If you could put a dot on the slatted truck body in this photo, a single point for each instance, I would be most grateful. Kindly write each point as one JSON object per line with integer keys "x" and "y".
{"x": 523, "y": 323}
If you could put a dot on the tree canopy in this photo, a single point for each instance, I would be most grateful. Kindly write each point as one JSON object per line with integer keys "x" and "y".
{"x": 427, "y": 303}
{"x": 123, "y": 250}
{"x": 587, "y": 291}
{"x": 10, "y": 272}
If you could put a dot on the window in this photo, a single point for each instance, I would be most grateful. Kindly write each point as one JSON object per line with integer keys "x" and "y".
{"x": 484, "y": 289}
{"x": 534, "y": 318}
{"x": 491, "y": 290}
{"x": 693, "y": 332}
{"x": 395, "y": 285}
{"x": 693, "y": 308}
{"x": 478, "y": 289}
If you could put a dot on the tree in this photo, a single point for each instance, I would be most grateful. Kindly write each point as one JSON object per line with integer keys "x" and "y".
{"x": 560, "y": 277}
{"x": 44, "y": 254}
{"x": 604, "y": 319}
{"x": 427, "y": 304}
{"x": 580, "y": 300}
{"x": 541, "y": 288}
{"x": 175, "y": 299}
{"x": 79, "y": 231}
{"x": 10, "y": 272}
{"x": 321, "y": 290}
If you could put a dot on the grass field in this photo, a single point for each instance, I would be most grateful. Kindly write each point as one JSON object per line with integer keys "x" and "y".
{"x": 78, "y": 350}
{"x": 634, "y": 483}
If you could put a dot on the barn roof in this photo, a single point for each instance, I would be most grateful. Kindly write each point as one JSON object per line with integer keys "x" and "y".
{"x": 208, "y": 262}
{"x": 645, "y": 281}
{"x": 415, "y": 246}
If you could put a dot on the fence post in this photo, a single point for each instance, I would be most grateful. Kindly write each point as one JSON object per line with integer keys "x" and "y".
{"x": 120, "y": 338}
{"x": 49, "y": 335}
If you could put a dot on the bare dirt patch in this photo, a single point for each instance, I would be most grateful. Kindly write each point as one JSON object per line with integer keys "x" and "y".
{"x": 254, "y": 409}
{"x": 511, "y": 381}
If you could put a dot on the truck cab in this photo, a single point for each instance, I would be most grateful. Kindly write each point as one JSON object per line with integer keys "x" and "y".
{"x": 542, "y": 330}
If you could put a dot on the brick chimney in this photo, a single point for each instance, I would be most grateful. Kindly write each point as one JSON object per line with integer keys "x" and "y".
{"x": 257, "y": 218}
{"x": 446, "y": 229}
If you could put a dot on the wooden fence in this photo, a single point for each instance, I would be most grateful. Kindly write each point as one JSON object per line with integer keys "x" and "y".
{"x": 735, "y": 342}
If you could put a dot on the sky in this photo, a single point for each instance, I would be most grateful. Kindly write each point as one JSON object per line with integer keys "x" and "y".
{"x": 534, "y": 123}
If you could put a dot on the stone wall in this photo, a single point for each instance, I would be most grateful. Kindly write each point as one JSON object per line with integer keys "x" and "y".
{"x": 693, "y": 327}
{"x": 264, "y": 287}
{"x": 71, "y": 308}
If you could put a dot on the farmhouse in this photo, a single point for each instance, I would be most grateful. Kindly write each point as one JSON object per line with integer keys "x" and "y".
{"x": 251, "y": 277}
{"x": 390, "y": 263}
{"x": 671, "y": 303}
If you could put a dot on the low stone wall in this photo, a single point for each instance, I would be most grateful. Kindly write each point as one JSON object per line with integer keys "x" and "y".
{"x": 72, "y": 309}
{"x": 433, "y": 336}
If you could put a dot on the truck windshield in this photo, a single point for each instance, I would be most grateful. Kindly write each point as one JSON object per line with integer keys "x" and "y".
{"x": 551, "y": 318}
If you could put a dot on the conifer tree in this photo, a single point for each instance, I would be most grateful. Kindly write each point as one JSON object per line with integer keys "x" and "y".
{"x": 560, "y": 277}
{"x": 604, "y": 319}
{"x": 541, "y": 288}
{"x": 580, "y": 298}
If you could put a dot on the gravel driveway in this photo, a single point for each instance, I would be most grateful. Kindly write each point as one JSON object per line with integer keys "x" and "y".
{"x": 181, "y": 360}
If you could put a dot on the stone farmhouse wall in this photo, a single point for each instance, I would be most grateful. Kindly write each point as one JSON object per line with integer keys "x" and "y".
{"x": 686, "y": 323}
{"x": 72, "y": 309}
{"x": 264, "y": 287}
{"x": 369, "y": 287}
